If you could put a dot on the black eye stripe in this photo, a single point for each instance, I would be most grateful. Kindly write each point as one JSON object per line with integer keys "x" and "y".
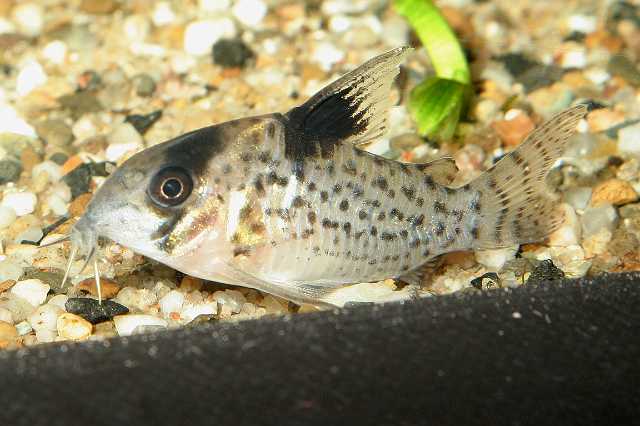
{"x": 170, "y": 187}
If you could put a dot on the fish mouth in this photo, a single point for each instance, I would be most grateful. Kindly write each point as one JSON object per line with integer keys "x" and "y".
{"x": 84, "y": 242}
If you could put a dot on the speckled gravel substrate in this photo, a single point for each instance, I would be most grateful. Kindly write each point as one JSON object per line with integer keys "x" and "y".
{"x": 87, "y": 83}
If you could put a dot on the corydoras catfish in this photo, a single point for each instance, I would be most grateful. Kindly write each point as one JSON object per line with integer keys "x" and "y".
{"x": 292, "y": 205}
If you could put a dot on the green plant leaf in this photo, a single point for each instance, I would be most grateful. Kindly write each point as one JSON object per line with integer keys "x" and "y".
{"x": 437, "y": 105}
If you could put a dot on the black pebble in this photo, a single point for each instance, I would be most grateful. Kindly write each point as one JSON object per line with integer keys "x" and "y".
{"x": 491, "y": 276}
{"x": 231, "y": 53}
{"x": 531, "y": 74}
{"x": 9, "y": 171}
{"x": 93, "y": 311}
{"x": 544, "y": 272}
{"x": 142, "y": 123}
{"x": 59, "y": 158}
{"x": 79, "y": 178}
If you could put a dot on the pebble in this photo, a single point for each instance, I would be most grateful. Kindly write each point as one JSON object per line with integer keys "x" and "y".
{"x": 123, "y": 139}
{"x": 23, "y": 328}
{"x": 513, "y": 129}
{"x": 613, "y": 191}
{"x": 9, "y": 270}
{"x": 495, "y": 259}
{"x": 139, "y": 299}
{"x": 171, "y": 302}
{"x": 624, "y": 67}
{"x": 29, "y": 18}
{"x": 231, "y": 298}
{"x": 45, "y": 317}
{"x": 52, "y": 170}
{"x": 8, "y": 334}
{"x": 193, "y": 311}
{"x": 597, "y": 243}
{"x": 569, "y": 232}
{"x": 199, "y": 36}
{"x": 6, "y": 315}
{"x": 578, "y": 197}
{"x": 250, "y": 13}
{"x": 596, "y": 218}
{"x": 629, "y": 139}
{"x": 73, "y": 327}
{"x": 81, "y": 103}
{"x": 55, "y": 132}
{"x": 55, "y": 52}
{"x": 99, "y": 7}
{"x": 603, "y": 119}
{"x": 583, "y": 23}
{"x": 109, "y": 288}
{"x": 231, "y": 53}
{"x": 30, "y": 76}
{"x": 142, "y": 123}
{"x": 33, "y": 291}
{"x": 94, "y": 311}
{"x": 29, "y": 235}
{"x": 22, "y": 203}
{"x": 126, "y": 324}
{"x": 214, "y": 5}
{"x": 79, "y": 179}
{"x": 144, "y": 85}
{"x": 274, "y": 305}
{"x": 163, "y": 14}
{"x": 9, "y": 171}
{"x": 59, "y": 300}
{"x": 326, "y": 55}
{"x": 487, "y": 281}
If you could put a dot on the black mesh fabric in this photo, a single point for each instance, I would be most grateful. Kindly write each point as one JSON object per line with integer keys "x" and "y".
{"x": 549, "y": 355}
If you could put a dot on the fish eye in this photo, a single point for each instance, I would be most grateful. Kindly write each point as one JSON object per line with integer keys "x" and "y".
{"x": 170, "y": 186}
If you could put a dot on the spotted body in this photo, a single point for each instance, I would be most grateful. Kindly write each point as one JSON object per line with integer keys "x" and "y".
{"x": 291, "y": 204}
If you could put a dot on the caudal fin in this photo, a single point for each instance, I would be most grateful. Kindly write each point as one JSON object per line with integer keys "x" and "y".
{"x": 512, "y": 198}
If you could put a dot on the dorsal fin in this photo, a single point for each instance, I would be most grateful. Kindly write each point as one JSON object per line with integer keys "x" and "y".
{"x": 352, "y": 109}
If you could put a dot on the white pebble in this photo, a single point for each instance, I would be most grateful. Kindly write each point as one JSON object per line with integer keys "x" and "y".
{"x": 23, "y": 328}
{"x": 59, "y": 300}
{"x": 55, "y": 52}
{"x": 583, "y": 23}
{"x": 22, "y": 203}
{"x": 136, "y": 298}
{"x": 629, "y": 139}
{"x": 232, "y": 298}
{"x": 136, "y": 28}
{"x": 9, "y": 270}
{"x": 163, "y": 14}
{"x": 20, "y": 309}
{"x": 126, "y": 324}
{"x": 171, "y": 302}
{"x": 576, "y": 58}
{"x": 29, "y": 18}
{"x": 33, "y": 233}
{"x": 339, "y": 23}
{"x": 326, "y": 55}
{"x": 596, "y": 218}
{"x": 30, "y": 76}
{"x": 7, "y": 216}
{"x": 190, "y": 312}
{"x": 53, "y": 171}
{"x": 578, "y": 197}
{"x": 249, "y": 12}
{"x": 33, "y": 291}
{"x": 123, "y": 139}
{"x": 57, "y": 204}
{"x": 6, "y": 315}
{"x": 11, "y": 122}
{"x": 46, "y": 336}
{"x": 199, "y": 36}
{"x": 45, "y": 317}
{"x": 493, "y": 260}
{"x": 569, "y": 232}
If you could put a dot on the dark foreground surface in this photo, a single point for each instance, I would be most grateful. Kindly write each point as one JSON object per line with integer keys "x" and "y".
{"x": 567, "y": 354}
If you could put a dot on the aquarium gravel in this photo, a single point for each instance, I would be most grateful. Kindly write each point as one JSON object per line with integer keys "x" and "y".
{"x": 85, "y": 84}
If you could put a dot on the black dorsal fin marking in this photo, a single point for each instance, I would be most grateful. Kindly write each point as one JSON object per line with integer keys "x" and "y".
{"x": 352, "y": 109}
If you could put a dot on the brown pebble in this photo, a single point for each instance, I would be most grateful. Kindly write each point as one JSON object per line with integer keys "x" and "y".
{"x": 79, "y": 205}
{"x": 6, "y": 285}
{"x": 189, "y": 284}
{"x": 613, "y": 191}
{"x": 513, "y": 131}
{"x": 29, "y": 158}
{"x": 109, "y": 288}
{"x": 8, "y": 335}
{"x": 603, "y": 119}
{"x": 73, "y": 327}
{"x": 71, "y": 164}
